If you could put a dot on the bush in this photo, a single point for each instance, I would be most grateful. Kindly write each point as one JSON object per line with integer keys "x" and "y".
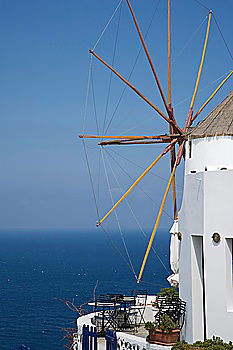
{"x": 168, "y": 293}
{"x": 149, "y": 325}
{"x": 209, "y": 344}
{"x": 166, "y": 324}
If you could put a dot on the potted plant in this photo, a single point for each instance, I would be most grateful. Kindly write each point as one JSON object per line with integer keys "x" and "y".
{"x": 168, "y": 293}
{"x": 164, "y": 332}
{"x": 165, "y": 294}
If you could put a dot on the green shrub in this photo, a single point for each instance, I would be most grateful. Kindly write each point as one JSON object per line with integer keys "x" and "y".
{"x": 168, "y": 293}
{"x": 209, "y": 344}
{"x": 166, "y": 324}
{"x": 149, "y": 325}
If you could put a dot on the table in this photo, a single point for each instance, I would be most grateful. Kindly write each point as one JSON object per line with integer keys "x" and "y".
{"x": 126, "y": 301}
{"x": 105, "y": 310}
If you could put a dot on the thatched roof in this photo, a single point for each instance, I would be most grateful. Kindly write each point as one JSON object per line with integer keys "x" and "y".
{"x": 218, "y": 123}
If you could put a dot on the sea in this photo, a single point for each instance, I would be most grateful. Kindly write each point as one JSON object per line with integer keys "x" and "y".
{"x": 41, "y": 270}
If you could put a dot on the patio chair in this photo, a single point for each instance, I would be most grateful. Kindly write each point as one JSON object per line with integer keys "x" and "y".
{"x": 140, "y": 305}
{"x": 105, "y": 314}
{"x": 175, "y": 308}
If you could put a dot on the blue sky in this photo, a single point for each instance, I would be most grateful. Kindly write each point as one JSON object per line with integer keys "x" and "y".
{"x": 44, "y": 67}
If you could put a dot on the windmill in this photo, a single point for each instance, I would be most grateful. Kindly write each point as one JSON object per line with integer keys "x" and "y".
{"x": 200, "y": 322}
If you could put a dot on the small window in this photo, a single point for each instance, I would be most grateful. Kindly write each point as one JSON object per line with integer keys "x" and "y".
{"x": 190, "y": 149}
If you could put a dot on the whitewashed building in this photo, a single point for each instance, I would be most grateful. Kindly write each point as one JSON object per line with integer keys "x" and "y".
{"x": 206, "y": 226}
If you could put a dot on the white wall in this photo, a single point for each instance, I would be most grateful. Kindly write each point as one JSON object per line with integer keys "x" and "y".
{"x": 191, "y": 223}
{"x": 211, "y": 152}
{"x": 207, "y": 207}
{"x": 219, "y": 218}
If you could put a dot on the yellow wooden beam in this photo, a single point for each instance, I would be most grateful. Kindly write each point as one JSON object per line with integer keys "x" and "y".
{"x": 202, "y": 61}
{"x": 211, "y": 96}
{"x": 159, "y": 215}
{"x": 169, "y": 51}
{"x": 137, "y": 181}
{"x": 156, "y": 225}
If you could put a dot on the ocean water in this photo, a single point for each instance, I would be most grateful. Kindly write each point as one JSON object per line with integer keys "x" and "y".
{"x": 39, "y": 269}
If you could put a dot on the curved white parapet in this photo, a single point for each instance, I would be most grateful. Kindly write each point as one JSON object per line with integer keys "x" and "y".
{"x": 208, "y": 154}
{"x": 125, "y": 340}
{"x": 133, "y": 342}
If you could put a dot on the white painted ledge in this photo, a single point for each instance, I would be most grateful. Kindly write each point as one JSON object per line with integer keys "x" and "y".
{"x": 132, "y": 342}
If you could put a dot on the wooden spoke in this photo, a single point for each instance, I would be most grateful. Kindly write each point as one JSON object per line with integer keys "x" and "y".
{"x": 132, "y": 142}
{"x": 158, "y": 218}
{"x": 137, "y": 181}
{"x": 111, "y": 137}
{"x": 180, "y": 152}
{"x": 211, "y": 96}
{"x": 147, "y": 54}
{"x": 143, "y": 141}
{"x": 141, "y": 137}
{"x": 138, "y": 92}
{"x": 169, "y": 110}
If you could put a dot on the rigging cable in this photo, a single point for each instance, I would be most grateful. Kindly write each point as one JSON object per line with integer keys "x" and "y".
{"x": 152, "y": 284}
{"x": 94, "y": 103}
{"x": 115, "y": 246}
{"x": 204, "y": 88}
{"x": 111, "y": 74}
{"x": 117, "y": 219}
{"x": 98, "y": 132}
{"x": 197, "y": 1}
{"x": 135, "y": 218}
{"x": 87, "y": 94}
{"x": 135, "y": 126}
{"x": 96, "y": 197}
{"x": 139, "y": 166}
{"x": 228, "y": 49}
{"x": 83, "y": 141}
{"x": 89, "y": 169}
{"x": 224, "y": 40}
{"x": 141, "y": 189}
{"x": 107, "y": 24}
{"x": 91, "y": 180}
{"x": 132, "y": 70}
{"x": 190, "y": 39}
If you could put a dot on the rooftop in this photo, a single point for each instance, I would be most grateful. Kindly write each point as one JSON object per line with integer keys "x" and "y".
{"x": 218, "y": 123}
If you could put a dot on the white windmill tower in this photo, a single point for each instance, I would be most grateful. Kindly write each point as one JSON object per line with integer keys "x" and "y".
{"x": 206, "y": 225}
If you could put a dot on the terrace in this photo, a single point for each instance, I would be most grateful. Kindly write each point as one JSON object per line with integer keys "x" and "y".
{"x": 126, "y": 315}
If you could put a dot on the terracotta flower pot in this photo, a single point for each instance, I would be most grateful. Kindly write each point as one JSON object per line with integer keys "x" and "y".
{"x": 156, "y": 336}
